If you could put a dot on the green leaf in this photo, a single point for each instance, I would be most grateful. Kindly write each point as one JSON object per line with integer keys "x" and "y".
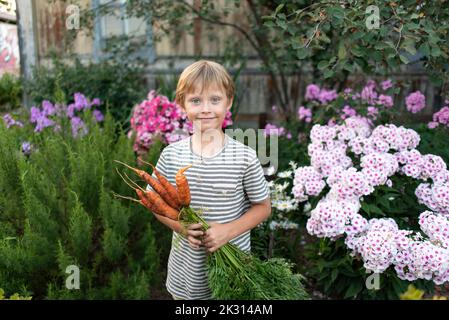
{"x": 341, "y": 51}
{"x": 336, "y": 12}
{"x": 409, "y": 46}
{"x": 328, "y": 74}
{"x": 323, "y": 64}
{"x": 404, "y": 59}
{"x": 355, "y": 287}
{"x": 282, "y": 24}
{"x": 302, "y": 53}
{"x": 279, "y": 8}
{"x": 435, "y": 51}
{"x": 357, "y": 51}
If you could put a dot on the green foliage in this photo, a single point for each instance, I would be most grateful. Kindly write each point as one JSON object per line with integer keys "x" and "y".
{"x": 368, "y": 36}
{"x": 10, "y": 92}
{"x": 120, "y": 87}
{"x": 57, "y": 210}
{"x": 15, "y": 296}
{"x": 338, "y": 275}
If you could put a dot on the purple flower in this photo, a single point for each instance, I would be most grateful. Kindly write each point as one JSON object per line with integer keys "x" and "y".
{"x": 326, "y": 96}
{"x": 95, "y": 102}
{"x": 47, "y": 108}
{"x": 272, "y": 130}
{"x": 305, "y": 113}
{"x": 35, "y": 114}
{"x": 368, "y": 93}
{"x": 26, "y": 148}
{"x": 80, "y": 101}
{"x": 71, "y": 110}
{"x": 42, "y": 123}
{"x": 312, "y": 92}
{"x": 348, "y": 112}
{"x": 442, "y": 116}
{"x": 415, "y": 102}
{"x": 385, "y": 100}
{"x": 372, "y": 112}
{"x": 98, "y": 116}
{"x": 432, "y": 125}
{"x": 77, "y": 125}
{"x": 9, "y": 121}
{"x": 386, "y": 84}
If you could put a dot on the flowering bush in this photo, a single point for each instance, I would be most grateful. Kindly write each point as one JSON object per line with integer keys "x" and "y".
{"x": 60, "y": 118}
{"x": 159, "y": 118}
{"x": 350, "y": 162}
{"x": 441, "y": 117}
{"x": 373, "y": 101}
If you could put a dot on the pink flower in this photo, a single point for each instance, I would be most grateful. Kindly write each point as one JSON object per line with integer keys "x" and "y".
{"x": 386, "y": 84}
{"x": 312, "y": 92}
{"x": 415, "y": 102}
{"x": 440, "y": 117}
{"x": 387, "y": 101}
{"x": 305, "y": 114}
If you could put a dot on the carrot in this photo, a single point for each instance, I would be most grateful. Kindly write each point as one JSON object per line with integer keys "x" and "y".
{"x": 171, "y": 190}
{"x": 156, "y": 185}
{"x": 183, "y": 187}
{"x": 160, "y": 206}
{"x": 151, "y": 200}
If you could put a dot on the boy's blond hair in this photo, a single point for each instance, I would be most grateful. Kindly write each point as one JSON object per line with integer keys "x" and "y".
{"x": 203, "y": 73}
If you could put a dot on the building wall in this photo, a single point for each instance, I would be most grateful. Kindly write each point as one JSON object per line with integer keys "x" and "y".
{"x": 255, "y": 95}
{"x": 9, "y": 45}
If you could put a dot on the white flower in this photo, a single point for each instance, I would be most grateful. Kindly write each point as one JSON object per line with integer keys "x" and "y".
{"x": 285, "y": 205}
{"x": 286, "y": 225}
{"x": 270, "y": 171}
{"x": 285, "y": 174}
{"x": 293, "y": 165}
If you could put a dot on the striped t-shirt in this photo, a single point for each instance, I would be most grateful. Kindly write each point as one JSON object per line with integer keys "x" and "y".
{"x": 223, "y": 186}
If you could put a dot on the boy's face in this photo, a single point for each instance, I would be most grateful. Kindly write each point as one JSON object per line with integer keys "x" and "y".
{"x": 207, "y": 109}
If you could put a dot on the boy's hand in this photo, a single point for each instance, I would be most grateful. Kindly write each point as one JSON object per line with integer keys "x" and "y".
{"x": 216, "y": 236}
{"x": 192, "y": 233}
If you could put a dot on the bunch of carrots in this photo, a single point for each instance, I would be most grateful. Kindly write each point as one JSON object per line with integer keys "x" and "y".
{"x": 166, "y": 199}
{"x": 233, "y": 274}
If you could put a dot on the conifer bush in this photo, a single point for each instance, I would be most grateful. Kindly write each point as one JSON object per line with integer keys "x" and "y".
{"x": 57, "y": 210}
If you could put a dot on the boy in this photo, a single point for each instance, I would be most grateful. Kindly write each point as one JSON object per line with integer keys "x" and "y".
{"x": 226, "y": 180}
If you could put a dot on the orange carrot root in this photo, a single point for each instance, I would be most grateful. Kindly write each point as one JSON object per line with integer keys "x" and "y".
{"x": 171, "y": 190}
{"x": 183, "y": 187}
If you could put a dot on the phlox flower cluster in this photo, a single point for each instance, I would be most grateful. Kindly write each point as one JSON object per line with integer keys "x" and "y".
{"x": 321, "y": 95}
{"x": 332, "y": 218}
{"x": 415, "y": 102}
{"x": 382, "y": 152}
{"x": 441, "y": 117}
{"x": 423, "y": 260}
{"x": 48, "y": 115}
{"x": 273, "y": 130}
{"x": 9, "y": 121}
{"x": 307, "y": 182}
{"x": 305, "y": 114}
{"x": 377, "y": 244}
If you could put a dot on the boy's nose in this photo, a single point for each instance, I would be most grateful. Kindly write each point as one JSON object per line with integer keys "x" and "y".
{"x": 205, "y": 107}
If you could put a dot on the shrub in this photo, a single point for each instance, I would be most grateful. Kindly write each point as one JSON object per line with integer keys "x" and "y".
{"x": 56, "y": 210}
{"x": 119, "y": 87}
{"x": 10, "y": 92}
